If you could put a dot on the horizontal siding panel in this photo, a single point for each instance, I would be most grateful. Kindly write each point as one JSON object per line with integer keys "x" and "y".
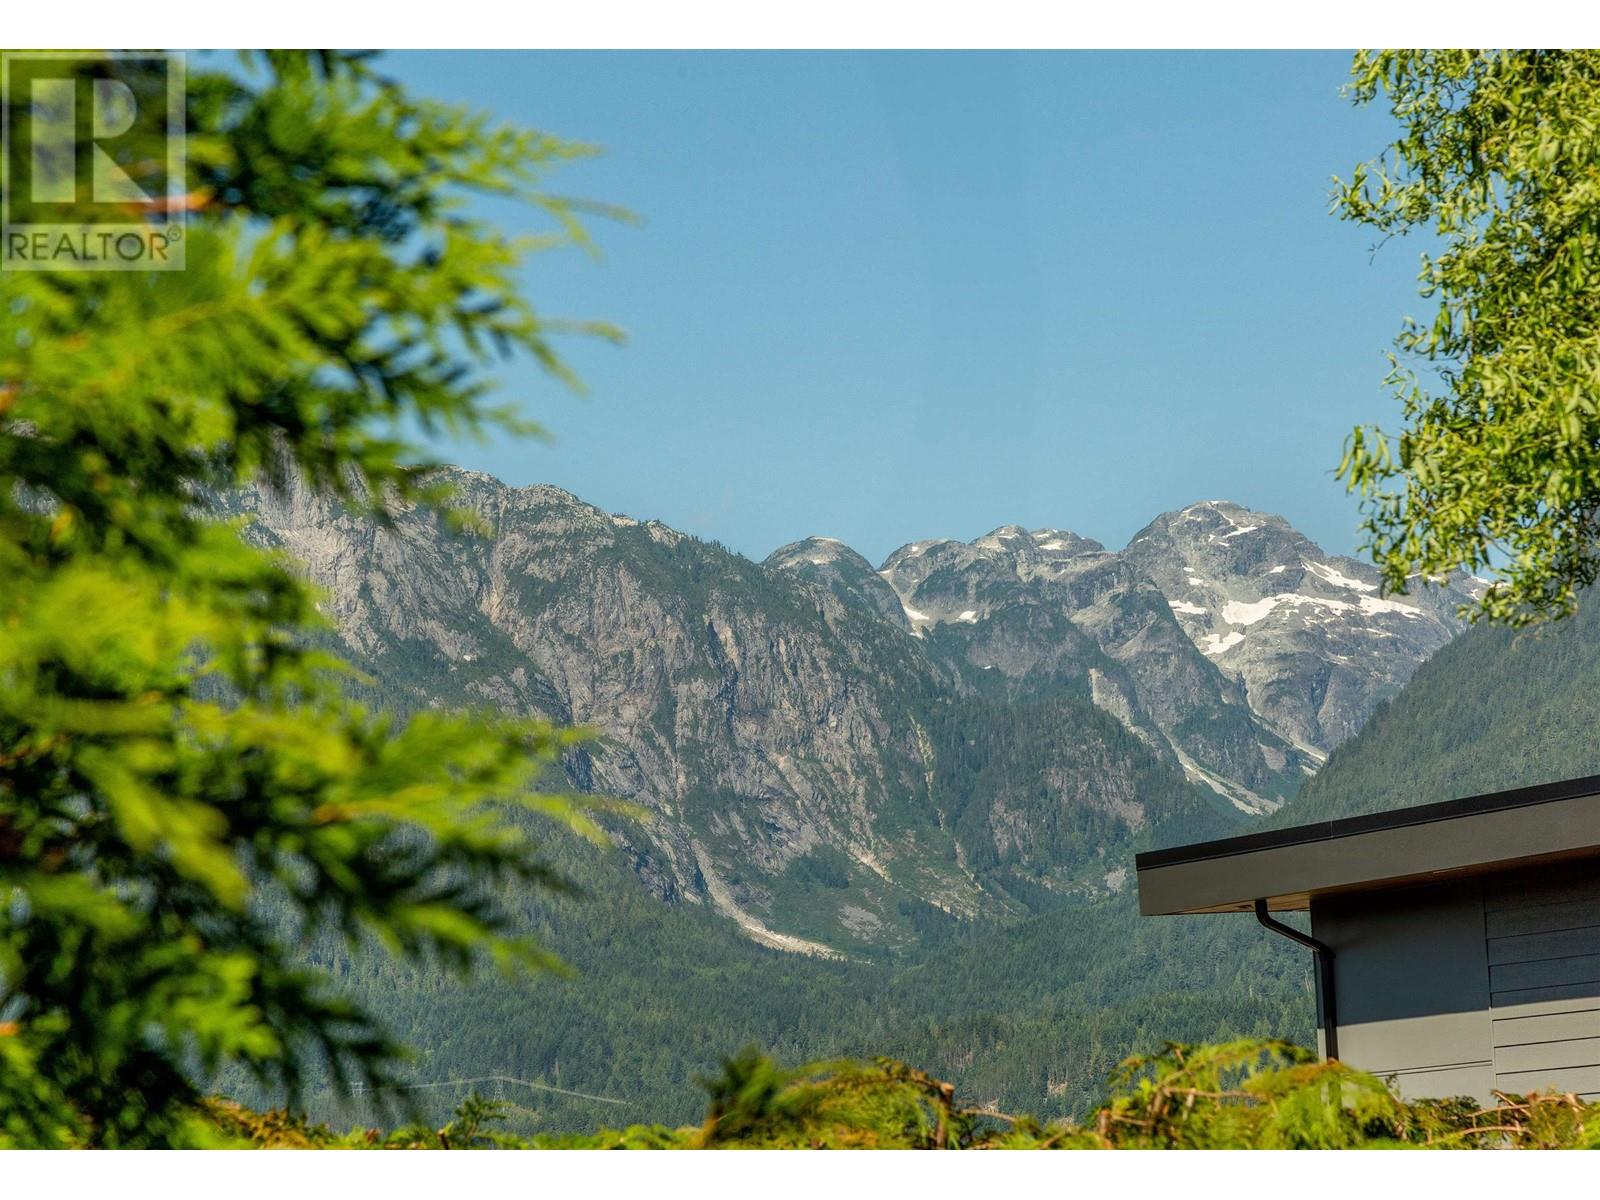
{"x": 1571, "y": 1079}
{"x": 1551, "y": 972}
{"x": 1510, "y": 997}
{"x": 1530, "y": 947}
{"x": 1466, "y": 1079}
{"x": 1547, "y": 885}
{"x": 1549, "y": 1008}
{"x": 1550, "y": 1027}
{"x": 1548, "y": 1056}
{"x": 1430, "y": 1069}
{"x": 1543, "y": 918}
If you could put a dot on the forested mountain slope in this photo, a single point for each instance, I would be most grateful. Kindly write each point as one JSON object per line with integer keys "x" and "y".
{"x": 1029, "y": 1017}
{"x": 933, "y": 777}
{"x": 778, "y": 736}
{"x": 1497, "y": 708}
{"x": 986, "y": 728}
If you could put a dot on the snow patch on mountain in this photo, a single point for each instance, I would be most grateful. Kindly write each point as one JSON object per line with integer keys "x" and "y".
{"x": 1220, "y": 643}
{"x": 1374, "y": 604}
{"x": 1327, "y": 573}
{"x": 1236, "y": 612}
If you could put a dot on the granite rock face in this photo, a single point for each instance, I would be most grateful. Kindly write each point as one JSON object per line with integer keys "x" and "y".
{"x": 1310, "y": 636}
{"x": 833, "y": 755}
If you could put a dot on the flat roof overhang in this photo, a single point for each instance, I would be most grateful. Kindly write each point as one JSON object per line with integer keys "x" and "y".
{"x": 1288, "y": 867}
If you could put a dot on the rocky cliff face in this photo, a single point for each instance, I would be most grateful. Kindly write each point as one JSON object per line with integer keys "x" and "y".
{"x": 1049, "y": 610}
{"x": 834, "y": 755}
{"x": 795, "y": 750}
{"x": 1309, "y": 636}
{"x": 1220, "y": 635}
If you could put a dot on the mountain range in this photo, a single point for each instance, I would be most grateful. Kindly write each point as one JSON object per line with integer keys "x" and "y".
{"x": 701, "y": 666}
{"x": 844, "y": 758}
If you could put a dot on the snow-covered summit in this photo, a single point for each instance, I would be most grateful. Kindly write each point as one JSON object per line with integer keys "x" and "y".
{"x": 1311, "y": 635}
{"x": 1211, "y": 610}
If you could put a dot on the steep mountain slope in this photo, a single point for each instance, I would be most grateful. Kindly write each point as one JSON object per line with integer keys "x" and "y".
{"x": 807, "y": 764}
{"x": 838, "y": 757}
{"x": 1309, "y": 635}
{"x": 939, "y": 770}
{"x": 1049, "y": 611}
{"x": 1497, "y": 708}
{"x": 1224, "y": 638}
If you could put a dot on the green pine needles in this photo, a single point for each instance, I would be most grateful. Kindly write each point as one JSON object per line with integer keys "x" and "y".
{"x": 187, "y": 799}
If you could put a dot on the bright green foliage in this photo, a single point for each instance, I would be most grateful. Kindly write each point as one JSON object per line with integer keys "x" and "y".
{"x": 1243, "y": 1095}
{"x": 881, "y": 1105}
{"x": 838, "y": 1106}
{"x": 1498, "y": 468}
{"x": 175, "y": 760}
{"x": 1271, "y": 1095}
{"x": 1247, "y": 1095}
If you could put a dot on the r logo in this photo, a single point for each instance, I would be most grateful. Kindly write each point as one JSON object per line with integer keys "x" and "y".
{"x": 92, "y": 166}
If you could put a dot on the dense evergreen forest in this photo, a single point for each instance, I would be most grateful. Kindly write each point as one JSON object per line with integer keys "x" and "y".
{"x": 1026, "y": 1015}
{"x": 1030, "y": 1017}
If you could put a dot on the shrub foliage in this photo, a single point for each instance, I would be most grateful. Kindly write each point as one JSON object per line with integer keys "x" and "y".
{"x": 1242, "y": 1095}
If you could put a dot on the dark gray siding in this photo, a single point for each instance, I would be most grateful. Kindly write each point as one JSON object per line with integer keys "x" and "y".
{"x": 1475, "y": 986}
{"x": 1412, "y": 979}
{"x": 1542, "y": 930}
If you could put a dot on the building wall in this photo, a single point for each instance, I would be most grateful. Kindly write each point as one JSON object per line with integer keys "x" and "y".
{"x": 1468, "y": 987}
{"x": 1542, "y": 931}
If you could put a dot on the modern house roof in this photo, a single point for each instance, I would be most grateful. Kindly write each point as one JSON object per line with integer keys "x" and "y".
{"x": 1287, "y": 867}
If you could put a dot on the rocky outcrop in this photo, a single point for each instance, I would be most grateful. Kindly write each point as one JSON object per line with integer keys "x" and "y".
{"x": 1310, "y": 636}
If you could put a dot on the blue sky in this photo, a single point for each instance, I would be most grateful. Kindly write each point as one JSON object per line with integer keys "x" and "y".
{"x": 891, "y": 297}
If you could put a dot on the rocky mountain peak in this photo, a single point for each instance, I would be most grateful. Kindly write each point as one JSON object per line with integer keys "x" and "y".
{"x": 1049, "y": 609}
{"x": 831, "y": 564}
{"x": 1310, "y": 635}
{"x": 944, "y": 580}
{"x": 1305, "y": 642}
